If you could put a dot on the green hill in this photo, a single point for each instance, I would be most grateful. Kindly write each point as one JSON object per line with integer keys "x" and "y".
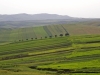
{"x": 70, "y": 55}
{"x": 41, "y": 32}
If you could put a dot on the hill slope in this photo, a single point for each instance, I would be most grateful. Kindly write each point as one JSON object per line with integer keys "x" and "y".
{"x": 42, "y": 32}
{"x": 73, "y": 55}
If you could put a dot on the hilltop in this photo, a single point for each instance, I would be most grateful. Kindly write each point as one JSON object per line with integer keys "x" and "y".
{"x": 25, "y": 17}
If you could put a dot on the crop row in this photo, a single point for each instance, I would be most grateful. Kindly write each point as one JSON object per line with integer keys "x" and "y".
{"x": 23, "y": 34}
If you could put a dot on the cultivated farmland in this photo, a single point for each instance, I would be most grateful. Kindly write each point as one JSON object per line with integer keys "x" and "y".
{"x": 67, "y": 55}
{"x": 65, "y": 49}
{"x": 42, "y": 32}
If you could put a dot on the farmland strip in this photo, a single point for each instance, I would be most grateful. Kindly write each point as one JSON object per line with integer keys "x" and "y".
{"x": 47, "y": 30}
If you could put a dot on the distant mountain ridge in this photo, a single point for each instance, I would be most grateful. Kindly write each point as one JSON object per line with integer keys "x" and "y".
{"x": 29, "y": 20}
{"x": 24, "y": 17}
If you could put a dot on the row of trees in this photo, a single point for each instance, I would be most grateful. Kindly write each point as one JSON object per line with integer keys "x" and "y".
{"x": 67, "y": 34}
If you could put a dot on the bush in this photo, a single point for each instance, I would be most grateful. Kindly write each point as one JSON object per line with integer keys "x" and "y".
{"x": 61, "y": 35}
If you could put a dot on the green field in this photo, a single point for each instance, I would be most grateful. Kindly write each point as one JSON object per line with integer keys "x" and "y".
{"x": 42, "y": 32}
{"x": 31, "y": 33}
{"x": 46, "y": 50}
{"x": 67, "y": 55}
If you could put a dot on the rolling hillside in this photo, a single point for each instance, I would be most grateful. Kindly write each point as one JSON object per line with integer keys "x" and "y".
{"x": 64, "y": 49}
{"x": 42, "y": 32}
{"x": 70, "y": 55}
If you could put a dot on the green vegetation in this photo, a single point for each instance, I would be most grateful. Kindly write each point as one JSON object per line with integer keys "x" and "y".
{"x": 41, "y": 32}
{"x": 66, "y": 55}
{"x": 24, "y": 34}
{"x": 67, "y": 49}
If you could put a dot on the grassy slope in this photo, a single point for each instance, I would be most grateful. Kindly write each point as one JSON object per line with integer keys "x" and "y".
{"x": 78, "y": 53}
{"x": 85, "y": 28}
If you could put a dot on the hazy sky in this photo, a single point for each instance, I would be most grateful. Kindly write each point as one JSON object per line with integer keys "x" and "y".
{"x": 74, "y": 8}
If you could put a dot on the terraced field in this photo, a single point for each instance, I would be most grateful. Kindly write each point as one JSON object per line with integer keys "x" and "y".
{"x": 67, "y": 55}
